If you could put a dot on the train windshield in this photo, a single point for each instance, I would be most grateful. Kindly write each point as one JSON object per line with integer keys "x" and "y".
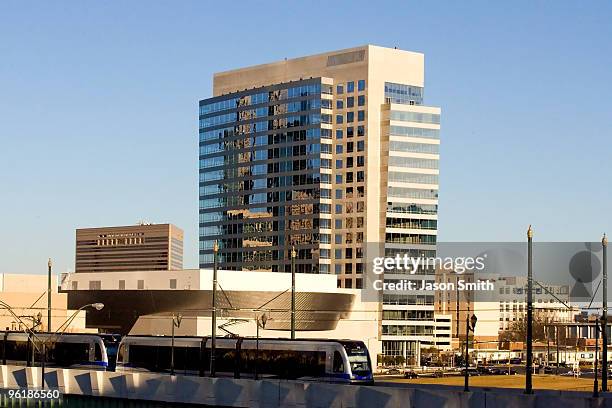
{"x": 358, "y": 358}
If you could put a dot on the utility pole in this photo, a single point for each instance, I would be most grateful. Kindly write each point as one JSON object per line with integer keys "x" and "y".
{"x": 557, "y": 335}
{"x": 595, "y": 385}
{"x": 547, "y": 346}
{"x": 293, "y": 255}
{"x": 604, "y": 318}
{"x": 528, "y": 368}
{"x": 470, "y": 324}
{"x": 457, "y": 304}
{"x": 213, "y": 340}
{"x": 49, "y": 264}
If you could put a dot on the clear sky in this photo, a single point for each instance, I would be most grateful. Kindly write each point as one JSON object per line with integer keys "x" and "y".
{"x": 98, "y": 109}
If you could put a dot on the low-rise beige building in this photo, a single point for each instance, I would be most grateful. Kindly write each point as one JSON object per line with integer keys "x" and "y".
{"x": 26, "y": 296}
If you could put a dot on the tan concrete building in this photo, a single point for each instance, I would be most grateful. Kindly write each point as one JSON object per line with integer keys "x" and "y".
{"x": 334, "y": 154}
{"x": 129, "y": 248}
{"x": 461, "y": 304}
{"x": 26, "y": 296}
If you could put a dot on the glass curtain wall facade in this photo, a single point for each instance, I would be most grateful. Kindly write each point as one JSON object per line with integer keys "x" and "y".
{"x": 265, "y": 177}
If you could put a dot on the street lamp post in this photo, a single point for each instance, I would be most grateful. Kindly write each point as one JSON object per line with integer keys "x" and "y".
{"x": 49, "y": 264}
{"x": 470, "y": 324}
{"x": 604, "y": 318}
{"x": 63, "y": 327}
{"x": 528, "y": 371}
{"x": 293, "y": 255}
{"x": 213, "y": 340}
{"x": 176, "y": 322}
{"x": 32, "y": 335}
{"x": 595, "y": 385}
{"x": 557, "y": 336}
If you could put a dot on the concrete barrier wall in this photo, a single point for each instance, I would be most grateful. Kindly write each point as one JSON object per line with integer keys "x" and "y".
{"x": 231, "y": 392}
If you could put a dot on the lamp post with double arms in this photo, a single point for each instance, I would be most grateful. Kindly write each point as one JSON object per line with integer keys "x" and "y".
{"x": 604, "y": 318}
{"x": 528, "y": 368}
{"x": 49, "y": 264}
{"x": 470, "y": 324}
{"x": 595, "y": 385}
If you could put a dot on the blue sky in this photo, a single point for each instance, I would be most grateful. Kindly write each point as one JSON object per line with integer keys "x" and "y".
{"x": 98, "y": 109}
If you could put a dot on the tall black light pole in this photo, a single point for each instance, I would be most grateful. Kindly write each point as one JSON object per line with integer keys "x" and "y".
{"x": 49, "y": 264}
{"x": 470, "y": 324}
{"x": 604, "y": 318}
{"x": 213, "y": 340}
{"x": 293, "y": 255}
{"x": 595, "y": 385}
{"x": 557, "y": 336}
{"x": 528, "y": 372}
{"x": 457, "y": 304}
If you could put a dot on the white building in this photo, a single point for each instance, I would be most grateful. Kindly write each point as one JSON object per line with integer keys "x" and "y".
{"x": 550, "y": 304}
{"x": 143, "y": 302}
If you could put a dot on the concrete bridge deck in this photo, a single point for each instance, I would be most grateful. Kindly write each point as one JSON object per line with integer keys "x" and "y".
{"x": 229, "y": 392}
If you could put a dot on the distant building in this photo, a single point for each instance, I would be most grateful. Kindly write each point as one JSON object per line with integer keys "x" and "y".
{"x": 499, "y": 310}
{"x": 461, "y": 304}
{"x": 140, "y": 247}
{"x": 550, "y": 305}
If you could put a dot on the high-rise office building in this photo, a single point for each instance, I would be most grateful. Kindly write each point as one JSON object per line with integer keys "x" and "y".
{"x": 334, "y": 154}
{"x": 130, "y": 248}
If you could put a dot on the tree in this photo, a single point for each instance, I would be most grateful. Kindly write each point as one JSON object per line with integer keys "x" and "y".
{"x": 399, "y": 360}
{"x": 518, "y": 330}
{"x": 388, "y": 360}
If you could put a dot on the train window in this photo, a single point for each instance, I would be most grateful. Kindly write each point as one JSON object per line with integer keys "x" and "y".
{"x": 17, "y": 350}
{"x": 358, "y": 357}
{"x": 338, "y": 366}
{"x": 97, "y": 352}
{"x": 284, "y": 363}
{"x": 143, "y": 357}
{"x": 186, "y": 359}
{"x": 192, "y": 358}
{"x": 66, "y": 354}
{"x": 163, "y": 358}
{"x": 225, "y": 360}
